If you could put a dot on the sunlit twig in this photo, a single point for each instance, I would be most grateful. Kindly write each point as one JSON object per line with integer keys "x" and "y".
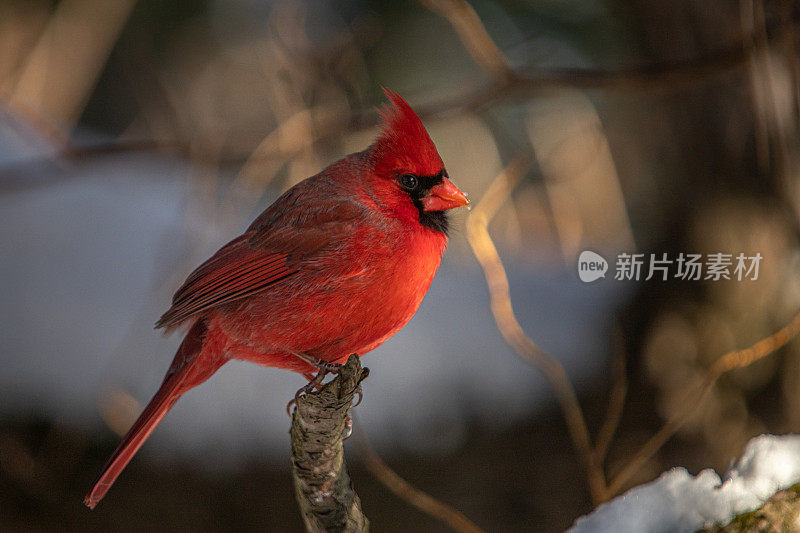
{"x": 616, "y": 401}
{"x": 726, "y": 363}
{"x": 486, "y": 253}
{"x": 404, "y": 490}
{"x": 503, "y": 312}
{"x": 525, "y": 83}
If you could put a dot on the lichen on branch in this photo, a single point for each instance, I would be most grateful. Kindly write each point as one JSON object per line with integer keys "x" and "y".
{"x": 322, "y": 486}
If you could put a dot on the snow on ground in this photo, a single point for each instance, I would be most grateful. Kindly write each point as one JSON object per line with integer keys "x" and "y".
{"x": 678, "y": 501}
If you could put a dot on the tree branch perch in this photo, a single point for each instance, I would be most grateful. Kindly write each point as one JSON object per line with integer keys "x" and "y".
{"x": 321, "y": 484}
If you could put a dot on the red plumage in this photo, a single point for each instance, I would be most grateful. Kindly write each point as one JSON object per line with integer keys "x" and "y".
{"x": 337, "y": 265}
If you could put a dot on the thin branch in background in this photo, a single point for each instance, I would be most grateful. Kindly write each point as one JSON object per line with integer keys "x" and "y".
{"x": 770, "y": 74}
{"x": 506, "y": 320}
{"x": 764, "y": 347}
{"x": 407, "y": 492}
{"x": 502, "y": 310}
{"x": 474, "y": 36}
{"x": 524, "y": 83}
{"x": 28, "y": 121}
{"x": 69, "y": 57}
{"x": 790, "y": 51}
{"x": 480, "y": 46}
{"x": 726, "y": 363}
{"x": 616, "y": 399}
{"x": 762, "y": 55}
{"x": 157, "y": 107}
{"x": 761, "y": 131}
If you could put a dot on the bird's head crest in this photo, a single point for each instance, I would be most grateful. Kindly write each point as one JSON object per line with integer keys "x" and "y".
{"x": 404, "y": 143}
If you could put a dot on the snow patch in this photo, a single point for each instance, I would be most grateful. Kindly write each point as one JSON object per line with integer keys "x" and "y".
{"x": 678, "y": 501}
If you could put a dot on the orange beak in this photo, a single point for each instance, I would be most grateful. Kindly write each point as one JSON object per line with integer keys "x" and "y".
{"x": 444, "y": 196}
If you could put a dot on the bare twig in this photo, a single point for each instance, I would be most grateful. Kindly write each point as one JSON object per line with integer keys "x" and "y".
{"x": 322, "y": 486}
{"x": 616, "y": 401}
{"x": 524, "y": 83}
{"x": 404, "y": 490}
{"x": 474, "y": 36}
{"x": 761, "y": 349}
{"x": 790, "y": 51}
{"x": 62, "y": 69}
{"x": 486, "y": 253}
{"x": 726, "y": 363}
{"x": 750, "y": 44}
{"x": 480, "y": 46}
{"x": 503, "y": 312}
{"x": 28, "y": 121}
{"x": 660, "y": 438}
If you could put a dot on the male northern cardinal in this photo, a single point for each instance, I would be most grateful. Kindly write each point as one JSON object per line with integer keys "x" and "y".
{"x": 337, "y": 265}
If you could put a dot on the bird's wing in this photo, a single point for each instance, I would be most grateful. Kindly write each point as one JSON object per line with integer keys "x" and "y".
{"x": 282, "y": 241}
{"x": 235, "y": 271}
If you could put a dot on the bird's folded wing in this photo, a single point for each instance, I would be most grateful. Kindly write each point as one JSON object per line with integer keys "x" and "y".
{"x": 236, "y": 271}
{"x": 310, "y": 219}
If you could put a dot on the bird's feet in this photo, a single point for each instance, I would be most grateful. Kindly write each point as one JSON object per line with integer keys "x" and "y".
{"x": 319, "y": 364}
{"x": 315, "y": 381}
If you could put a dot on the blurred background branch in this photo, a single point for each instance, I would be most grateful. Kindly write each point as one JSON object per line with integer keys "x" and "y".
{"x": 137, "y": 137}
{"x": 500, "y": 298}
{"x": 401, "y": 488}
{"x": 473, "y": 35}
{"x": 507, "y": 323}
{"x": 508, "y": 84}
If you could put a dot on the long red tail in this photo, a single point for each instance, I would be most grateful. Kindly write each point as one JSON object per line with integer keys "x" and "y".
{"x": 169, "y": 392}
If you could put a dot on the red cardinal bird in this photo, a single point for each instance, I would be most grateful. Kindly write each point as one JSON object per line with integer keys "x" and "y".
{"x": 337, "y": 265}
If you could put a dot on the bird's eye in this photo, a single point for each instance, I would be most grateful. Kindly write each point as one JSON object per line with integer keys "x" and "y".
{"x": 409, "y": 181}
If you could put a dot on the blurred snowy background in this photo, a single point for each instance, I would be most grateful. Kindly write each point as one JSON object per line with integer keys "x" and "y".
{"x": 90, "y": 264}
